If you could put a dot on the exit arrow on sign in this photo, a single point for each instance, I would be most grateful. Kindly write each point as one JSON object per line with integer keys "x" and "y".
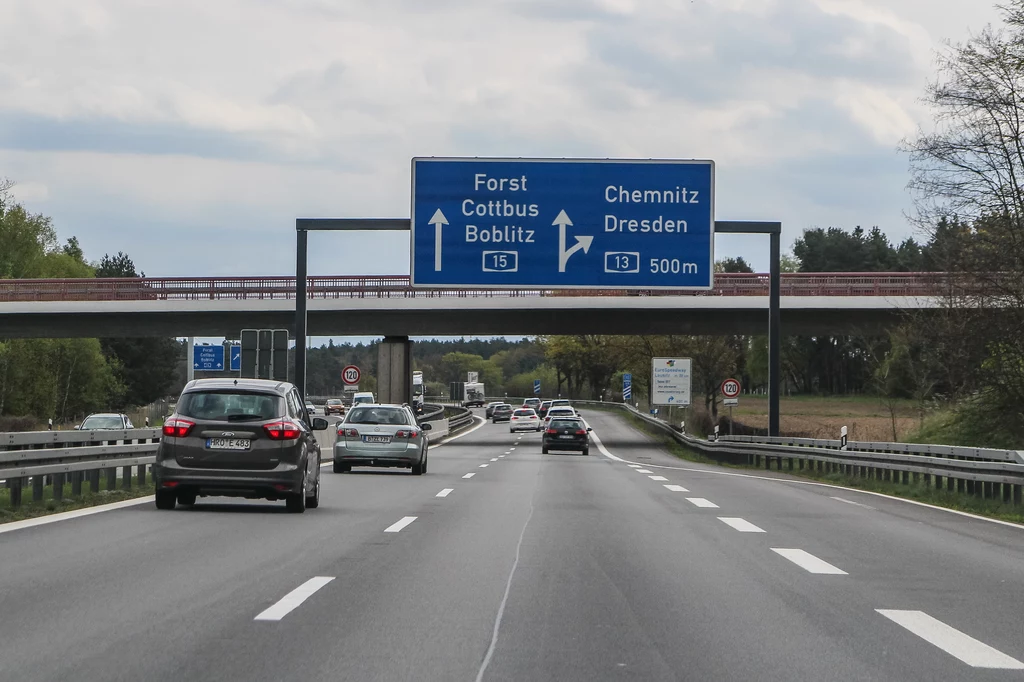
{"x": 582, "y": 241}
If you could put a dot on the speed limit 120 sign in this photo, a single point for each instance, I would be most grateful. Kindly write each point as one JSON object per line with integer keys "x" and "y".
{"x": 350, "y": 375}
{"x": 730, "y": 388}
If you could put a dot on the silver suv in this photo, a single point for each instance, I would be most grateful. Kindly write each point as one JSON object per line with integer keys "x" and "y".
{"x": 241, "y": 438}
{"x": 381, "y": 436}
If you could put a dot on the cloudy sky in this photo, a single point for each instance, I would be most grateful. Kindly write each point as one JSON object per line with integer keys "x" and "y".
{"x": 190, "y": 134}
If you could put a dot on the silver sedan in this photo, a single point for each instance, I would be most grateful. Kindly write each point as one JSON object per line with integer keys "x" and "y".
{"x": 381, "y": 436}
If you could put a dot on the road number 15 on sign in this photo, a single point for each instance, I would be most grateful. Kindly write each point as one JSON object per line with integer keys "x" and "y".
{"x": 501, "y": 261}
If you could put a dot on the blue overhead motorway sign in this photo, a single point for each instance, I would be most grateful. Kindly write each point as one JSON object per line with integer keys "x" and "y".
{"x": 236, "y": 359}
{"x": 208, "y": 358}
{"x": 553, "y": 223}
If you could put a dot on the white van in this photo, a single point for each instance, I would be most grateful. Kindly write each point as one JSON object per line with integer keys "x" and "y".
{"x": 364, "y": 397}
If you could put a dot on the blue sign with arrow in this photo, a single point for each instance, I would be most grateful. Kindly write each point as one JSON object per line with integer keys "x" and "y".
{"x": 208, "y": 358}
{"x": 536, "y": 386}
{"x": 236, "y": 359}
{"x": 627, "y": 387}
{"x": 572, "y": 223}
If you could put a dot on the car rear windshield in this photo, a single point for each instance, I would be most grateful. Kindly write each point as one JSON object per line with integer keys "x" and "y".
{"x": 525, "y": 413}
{"x": 556, "y": 411}
{"x": 230, "y": 405}
{"x": 566, "y": 423}
{"x": 106, "y": 422}
{"x": 334, "y": 401}
{"x": 502, "y": 408}
{"x": 377, "y": 415}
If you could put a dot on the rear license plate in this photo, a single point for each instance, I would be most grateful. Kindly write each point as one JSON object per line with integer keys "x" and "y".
{"x": 565, "y": 436}
{"x": 376, "y": 439}
{"x": 228, "y": 443}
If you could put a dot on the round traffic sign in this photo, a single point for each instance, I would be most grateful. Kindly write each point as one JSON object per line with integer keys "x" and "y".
{"x": 350, "y": 375}
{"x": 730, "y": 388}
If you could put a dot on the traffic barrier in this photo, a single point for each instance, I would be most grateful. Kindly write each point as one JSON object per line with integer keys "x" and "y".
{"x": 42, "y": 458}
{"x": 984, "y": 472}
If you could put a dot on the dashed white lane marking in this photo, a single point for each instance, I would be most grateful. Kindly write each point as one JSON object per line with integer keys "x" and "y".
{"x": 955, "y": 643}
{"x": 501, "y": 456}
{"x": 657, "y": 478}
{"x": 469, "y": 475}
{"x": 856, "y": 504}
{"x": 808, "y": 562}
{"x": 643, "y": 471}
{"x": 702, "y": 502}
{"x": 634, "y": 466}
{"x": 511, "y": 449}
{"x": 294, "y": 599}
{"x": 399, "y": 525}
{"x": 494, "y": 459}
{"x": 445, "y": 493}
{"x": 677, "y": 488}
{"x": 742, "y": 525}
{"x": 484, "y": 466}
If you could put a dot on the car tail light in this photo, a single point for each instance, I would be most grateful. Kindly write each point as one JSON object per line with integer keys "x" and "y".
{"x": 580, "y": 432}
{"x": 552, "y": 430}
{"x": 348, "y": 433}
{"x": 406, "y": 434}
{"x": 168, "y": 484}
{"x": 515, "y": 417}
{"x": 282, "y": 430}
{"x": 178, "y": 428}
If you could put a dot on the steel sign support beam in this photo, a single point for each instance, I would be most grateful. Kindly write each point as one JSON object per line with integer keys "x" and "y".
{"x": 303, "y": 226}
{"x": 774, "y": 232}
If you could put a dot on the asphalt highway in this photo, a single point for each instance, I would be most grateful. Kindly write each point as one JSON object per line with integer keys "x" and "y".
{"x": 505, "y": 564}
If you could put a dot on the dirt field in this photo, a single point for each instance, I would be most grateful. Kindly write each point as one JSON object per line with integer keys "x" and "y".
{"x": 866, "y": 418}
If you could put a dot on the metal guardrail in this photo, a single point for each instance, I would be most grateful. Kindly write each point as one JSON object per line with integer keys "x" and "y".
{"x": 458, "y": 418}
{"x": 42, "y": 458}
{"x": 397, "y": 286}
{"x": 431, "y": 413}
{"x": 984, "y": 472}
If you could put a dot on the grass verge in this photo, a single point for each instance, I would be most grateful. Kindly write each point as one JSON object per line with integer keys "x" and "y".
{"x": 918, "y": 492}
{"x": 48, "y": 505}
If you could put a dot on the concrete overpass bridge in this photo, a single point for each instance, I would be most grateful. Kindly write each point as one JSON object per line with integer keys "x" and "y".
{"x": 812, "y": 303}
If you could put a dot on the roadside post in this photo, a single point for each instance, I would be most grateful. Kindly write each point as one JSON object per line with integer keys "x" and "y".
{"x": 842, "y": 438}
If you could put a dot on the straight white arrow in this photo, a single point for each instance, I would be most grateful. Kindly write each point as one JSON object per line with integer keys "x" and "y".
{"x": 437, "y": 221}
{"x": 582, "y": 242}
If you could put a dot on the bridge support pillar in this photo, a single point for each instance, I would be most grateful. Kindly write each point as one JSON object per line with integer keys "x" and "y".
{"x": 394, "y": 370}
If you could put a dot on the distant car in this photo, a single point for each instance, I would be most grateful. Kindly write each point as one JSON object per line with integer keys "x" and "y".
{"x": 239, "y": 438}
{"x": 561, "y": 402}
{"x": 565, "y": 412}
{"x": 381, "y": 436}
{"x": 365, "y": 397}
{"x": 524, "y": 419}
{"x": 544, "y": 407}
{"x": 489, "y": 410}
{"x": 106, "y": 421}
{"x": 532, "y": 403}
{"x": 334, "y": 406}
{"x": 501, "y": 413}
{"x": 563, "y": 433}
{"x": 311, "y": 408}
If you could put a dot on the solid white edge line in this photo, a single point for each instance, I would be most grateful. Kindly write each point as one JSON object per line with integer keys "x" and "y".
{"x": 955, "y": 643}
{"x": 808, "y": 561}
{"x": 855, "y": 504}
{"x": 293, "y": 599}
{"x": 469, "y": 475}
{"x": 445, "y": 493}
{"x": 604, "y": 451}
{"x": 657, "y": 478}
{"x": 677, "y": 488}
{"x": 702, "y": 502}
{"x": 73, "y": 514}
{"x": 400, "y": 524}
{"x": 742, "y": 525}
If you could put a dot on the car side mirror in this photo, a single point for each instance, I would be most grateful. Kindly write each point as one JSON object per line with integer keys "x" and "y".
{"x": 589, "y": 429}
{"x": 426, "y": 427}
{"x": 77, "y": 427}
{"x": 320, "y": 424}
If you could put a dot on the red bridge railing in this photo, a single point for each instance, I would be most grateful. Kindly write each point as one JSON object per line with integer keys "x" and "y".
{"x": 397, "y": 286}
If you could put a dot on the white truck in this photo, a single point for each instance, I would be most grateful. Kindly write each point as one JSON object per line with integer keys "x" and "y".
{"x": 476, "y": 396}
{"x": 417, "y": 391}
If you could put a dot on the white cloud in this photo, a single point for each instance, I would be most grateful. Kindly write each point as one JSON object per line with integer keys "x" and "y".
{"x": 218, "y": 115}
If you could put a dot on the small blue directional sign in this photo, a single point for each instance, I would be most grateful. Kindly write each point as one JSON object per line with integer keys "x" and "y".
{"x": 208, "y": 358}
{"x": 627, "y": 387}
{"x": 236, "y": 359}
{"x": 572, "y": 223}
{"x": 536, "y": 386}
